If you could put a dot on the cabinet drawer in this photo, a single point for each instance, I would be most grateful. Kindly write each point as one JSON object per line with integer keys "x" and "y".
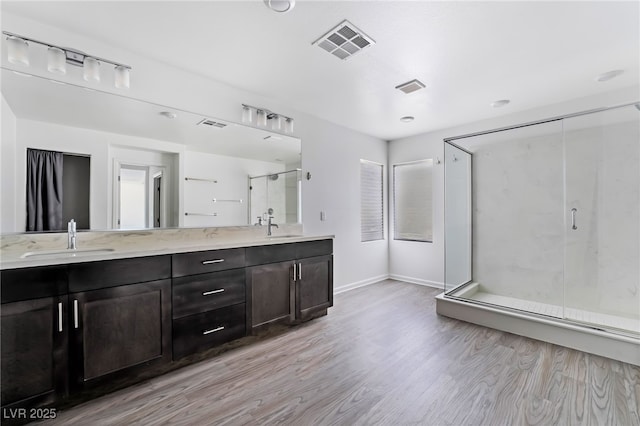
{"x": 112, "y": 273}
{"x": 201, "y": 262}
{"x": 203, "y": 331}
{"x": 314, "y": 248}
{"x": 33, "y": 283}
{"x": 260, "y": 255}
{"x": 200, "y": 293}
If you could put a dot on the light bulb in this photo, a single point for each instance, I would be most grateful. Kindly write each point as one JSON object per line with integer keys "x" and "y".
{"x": 276, "y": 123}
{"x": 122, "y": 77}
{"x": 91, "y": 69}
{"x": 57, "y": 61}
{"x": 18, "y": 51}
{"x": 246, "y": 114}
{"x": 261, "y": 118}
{"x": 288, "y": 125}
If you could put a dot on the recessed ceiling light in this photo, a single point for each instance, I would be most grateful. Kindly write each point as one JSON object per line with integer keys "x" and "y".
{"x": 168, "y": 114}
{"x": 280, "y": 6}
{"x": 407, "y": 119}
{"x": 609, "y": 75}
{"x": 500, "y": 103}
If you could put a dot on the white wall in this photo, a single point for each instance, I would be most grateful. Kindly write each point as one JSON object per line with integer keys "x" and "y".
{"x": 331, "y": 153}
{"x": 8, "y": 168}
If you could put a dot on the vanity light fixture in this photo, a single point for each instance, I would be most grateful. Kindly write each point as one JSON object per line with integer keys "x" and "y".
{"x": 278, "y": 122}
{"x": 58, "y": 57}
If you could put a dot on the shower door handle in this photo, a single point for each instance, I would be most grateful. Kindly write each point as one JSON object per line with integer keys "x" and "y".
{"x": 573, "y": 218}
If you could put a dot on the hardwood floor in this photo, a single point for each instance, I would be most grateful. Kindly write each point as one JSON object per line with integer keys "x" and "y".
{"x": 382, "y": 356}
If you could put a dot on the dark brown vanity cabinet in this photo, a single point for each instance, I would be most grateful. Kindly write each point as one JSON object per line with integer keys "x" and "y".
{"x": 208, "y": 299}
{"x": 314, "y": 286}
{"x": 73, "y": 331}
{"x": 120, "y": 319}
{"x": 289, "y": 282}
{"x": 34, "y": 333}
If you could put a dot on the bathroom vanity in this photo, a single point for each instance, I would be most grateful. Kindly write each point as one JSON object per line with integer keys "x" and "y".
{"x": 77, "y": 326}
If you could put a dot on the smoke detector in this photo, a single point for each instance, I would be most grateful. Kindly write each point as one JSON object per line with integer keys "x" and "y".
{"x": 280, "y": 6}
{"x": 344, "y": 40}
{"x": 411, "y": 86}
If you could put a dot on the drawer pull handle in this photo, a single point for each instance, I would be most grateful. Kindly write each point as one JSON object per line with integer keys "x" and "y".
{"x": 207, "y": 293}
{"x": 75, "y": 313}
{"x": 213, "y": 330}
{"x": 209, "y": 262}
{"x": 60, "y": 317}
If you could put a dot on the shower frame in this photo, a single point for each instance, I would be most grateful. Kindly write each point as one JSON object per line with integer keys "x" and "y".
{"x": 579, "y": 335}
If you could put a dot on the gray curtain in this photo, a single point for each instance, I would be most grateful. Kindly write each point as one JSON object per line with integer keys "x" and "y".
{"x": 44, "y": 190}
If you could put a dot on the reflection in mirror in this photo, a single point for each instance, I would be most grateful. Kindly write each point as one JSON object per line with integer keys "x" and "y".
{"x": 192, "y": 161}
{"x": 276, "y": 195}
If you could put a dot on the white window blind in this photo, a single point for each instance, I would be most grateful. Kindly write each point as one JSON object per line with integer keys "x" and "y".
{"x": 412, "y": 201}
{"x": 371, "y": 201}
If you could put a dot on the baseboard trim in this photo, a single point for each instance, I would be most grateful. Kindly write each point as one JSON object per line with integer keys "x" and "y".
{"x": 418, "y": 281}
{"x": 359, "y": 284}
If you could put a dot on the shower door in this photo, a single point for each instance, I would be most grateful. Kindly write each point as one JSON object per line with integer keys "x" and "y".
{"x": 602, "y": 219}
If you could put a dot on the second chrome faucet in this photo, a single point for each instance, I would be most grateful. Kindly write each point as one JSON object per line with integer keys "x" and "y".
{"x": 269, "y": 225}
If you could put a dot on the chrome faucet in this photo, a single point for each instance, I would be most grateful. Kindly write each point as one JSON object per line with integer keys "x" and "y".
{"x": 71, "y": 235}
{"x": 269, "y": 225}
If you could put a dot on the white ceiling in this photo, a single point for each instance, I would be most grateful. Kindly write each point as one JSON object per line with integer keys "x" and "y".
{"x": 467, "y": 53}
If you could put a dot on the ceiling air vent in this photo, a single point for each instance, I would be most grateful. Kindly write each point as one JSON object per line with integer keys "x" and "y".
{"x": 344, "y": 41}
{"x": 411, "y": 86}
{"x": 211, "y": 123}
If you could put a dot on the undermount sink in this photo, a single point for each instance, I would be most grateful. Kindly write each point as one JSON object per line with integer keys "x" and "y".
{"x": 65, "y": 253}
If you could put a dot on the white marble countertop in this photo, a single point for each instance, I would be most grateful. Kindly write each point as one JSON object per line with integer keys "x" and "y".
{"x": 50, "y": 249}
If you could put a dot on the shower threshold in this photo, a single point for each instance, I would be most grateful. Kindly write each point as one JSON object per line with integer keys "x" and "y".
{"x": 626, "y": 325}
{"x": 543, "y": 321}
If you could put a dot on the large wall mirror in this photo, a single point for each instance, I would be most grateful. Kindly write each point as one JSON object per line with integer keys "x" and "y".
{"x": 130, "y": 164}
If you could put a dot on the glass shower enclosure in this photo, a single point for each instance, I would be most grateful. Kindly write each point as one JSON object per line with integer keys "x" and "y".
{"x": 544, "y": 218}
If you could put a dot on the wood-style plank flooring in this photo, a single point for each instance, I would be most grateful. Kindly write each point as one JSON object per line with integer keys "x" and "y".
{"x": 382, "y": 357}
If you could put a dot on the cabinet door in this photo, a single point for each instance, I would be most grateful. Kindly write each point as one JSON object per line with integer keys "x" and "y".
{"x": 120, "y": 332}
{"x": 271, "y": 294}
{"x": 314, "y": 286}
{"x": 34, "y": 352}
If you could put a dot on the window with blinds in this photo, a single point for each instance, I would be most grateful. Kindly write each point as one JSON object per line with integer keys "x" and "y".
{"x": 371, "y": 201}
{"x": 412, "y": 201}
